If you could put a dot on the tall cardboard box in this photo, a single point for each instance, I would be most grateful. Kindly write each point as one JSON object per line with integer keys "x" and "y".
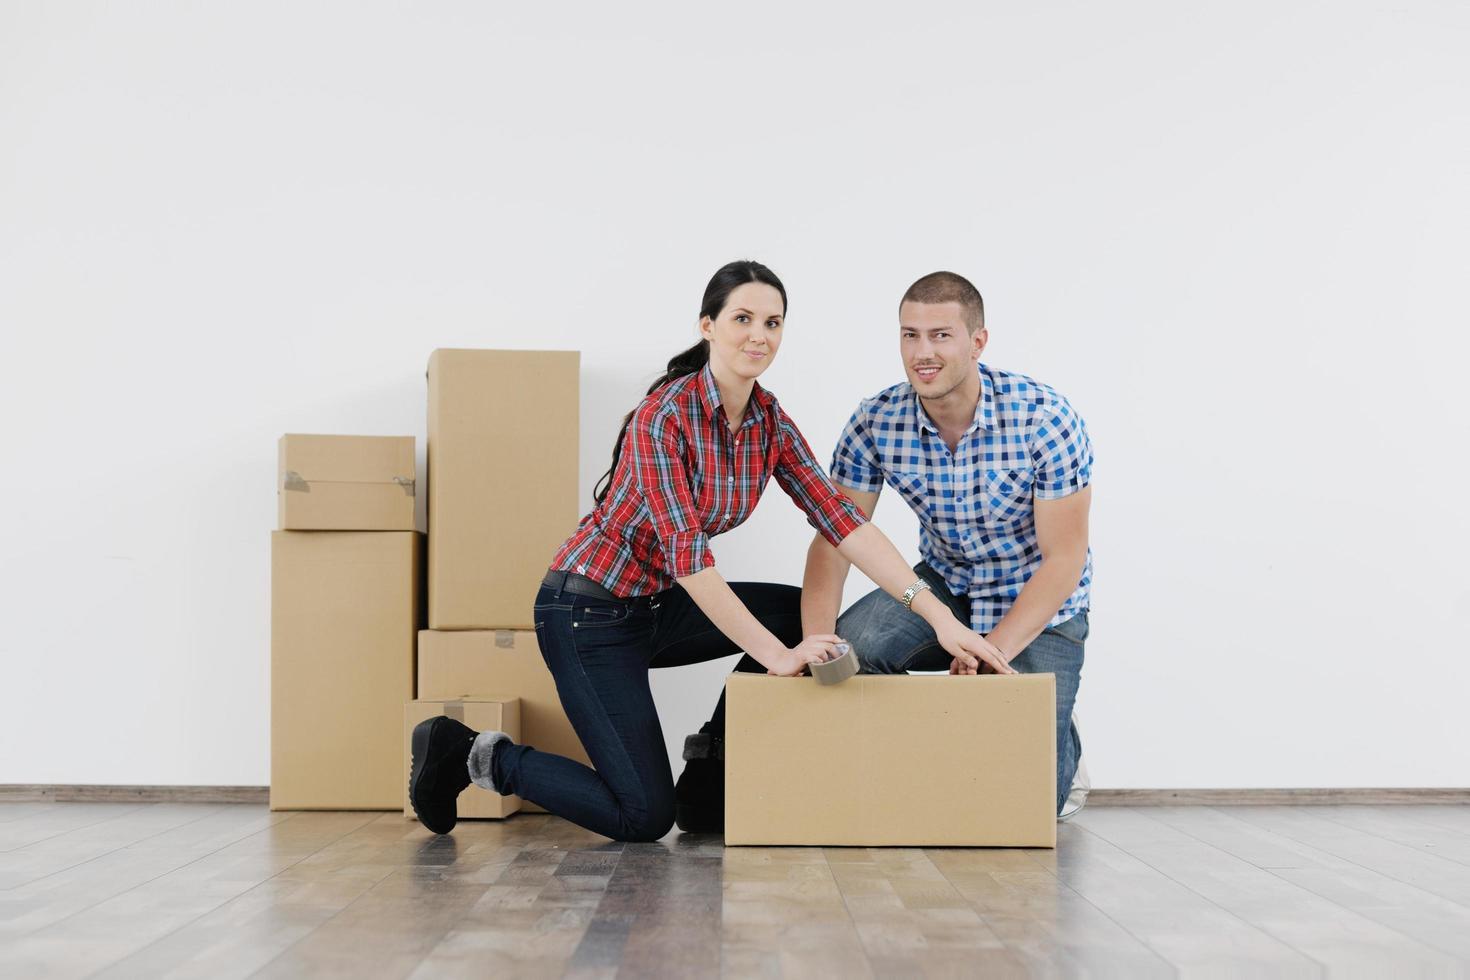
{"x": 345, "y": 610}
{"x": 502, "y": 481}
{"x": 500, "y": 663}
{"x": 481, "y": 714}
{"x": 912, "y": 761}
{"x": 345, "y": 483}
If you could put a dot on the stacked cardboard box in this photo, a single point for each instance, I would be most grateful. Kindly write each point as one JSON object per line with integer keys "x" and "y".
{"x": 503, "y": 444}
{"x": 346, "y": 605}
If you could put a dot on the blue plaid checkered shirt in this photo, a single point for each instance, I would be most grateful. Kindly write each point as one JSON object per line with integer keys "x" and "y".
{"x": 977, "y": 524}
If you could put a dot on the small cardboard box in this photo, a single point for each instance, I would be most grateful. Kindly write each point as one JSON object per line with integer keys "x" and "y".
{"x": 911, "y": 761}
{"x": 345, "y": 483}
{"x": 481, "y": 714}
{"x": 500, "y": 663}
{"x": 345, "y": 610}
{"x": 502, "y": 481}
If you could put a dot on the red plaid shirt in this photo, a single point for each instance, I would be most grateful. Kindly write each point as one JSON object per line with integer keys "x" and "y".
{"x": 684, "y": 477}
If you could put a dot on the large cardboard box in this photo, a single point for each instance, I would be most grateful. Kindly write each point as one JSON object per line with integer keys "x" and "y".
{"x": 502, "y": 481}
{"x": 899, "y": 760}
{"x": 345, "y": 609}
{"x": 345, "y": 483}
{"x": 481, "y": 714}
{"x": 500, "y": 663}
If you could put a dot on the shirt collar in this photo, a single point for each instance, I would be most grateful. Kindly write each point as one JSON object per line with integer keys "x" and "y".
{"x": 709, "y": 392}
{"x": 984, "y": 407}
{"x": 709, "y": 399}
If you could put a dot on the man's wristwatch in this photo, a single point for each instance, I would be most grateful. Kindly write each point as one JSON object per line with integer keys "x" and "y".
{"x": 912, "y": 593}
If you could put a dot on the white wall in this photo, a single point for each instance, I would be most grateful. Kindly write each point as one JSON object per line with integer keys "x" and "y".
{"x": 1235, "y": 237}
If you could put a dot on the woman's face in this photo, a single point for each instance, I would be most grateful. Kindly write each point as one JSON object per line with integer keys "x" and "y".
{"x": 744, "y": 338}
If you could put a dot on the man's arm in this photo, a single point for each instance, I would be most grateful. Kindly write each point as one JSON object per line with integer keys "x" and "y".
{"x": 1061, "y": 531}
{"x": 826, "y": 572}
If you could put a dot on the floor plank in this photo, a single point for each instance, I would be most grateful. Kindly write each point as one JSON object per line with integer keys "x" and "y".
{"x": 1046, "y": 924}
{"x": 907, "y": 912}
{"x": 37, "y": 826}
{"x": 14, "y": 811}
{"x": 1404, "y": 828}
{"x": 234, "y": 890}
{"x": 1189, "y": 931}
{"x": 1339, "y": 939}
{"x": 545, "y": 880}
{"x": 1433, "y": 921}
{"x": 46, "y": 900}
{"x": 50, "y": 855}
{"x": 104, "y": 932}
{"x": 1389, "y": 858}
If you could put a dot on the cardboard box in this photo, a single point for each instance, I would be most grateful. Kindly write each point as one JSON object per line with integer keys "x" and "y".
{"x": 345, "y": 610}
{"x": 481, "y": 714}
{"x": 345, "y": 483}
{"x": 900, "y": 760}
{"x": 500, "y": 663}
{"x": 502, "y": 481}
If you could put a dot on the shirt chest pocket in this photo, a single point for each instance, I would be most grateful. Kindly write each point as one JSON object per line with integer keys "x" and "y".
{"x": 913, "y": 488}
{"x": 1005, "y": 496}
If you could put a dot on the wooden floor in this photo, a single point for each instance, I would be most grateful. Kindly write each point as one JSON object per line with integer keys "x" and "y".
{"x": 232, "y": 890}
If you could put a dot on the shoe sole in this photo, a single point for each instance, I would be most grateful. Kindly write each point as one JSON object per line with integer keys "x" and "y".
{"x": 697, "y": 820}
{"x": 419, "y": 749}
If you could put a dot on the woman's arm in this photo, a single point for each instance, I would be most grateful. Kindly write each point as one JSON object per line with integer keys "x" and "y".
{"x": 871, "y": 551}
{"x": 845, "y": 527}
{"x": 714, "y": 597}
{"x": 656, "y": 453}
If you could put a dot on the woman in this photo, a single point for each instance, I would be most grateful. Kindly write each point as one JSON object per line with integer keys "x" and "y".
{"x": 691, "y": 462}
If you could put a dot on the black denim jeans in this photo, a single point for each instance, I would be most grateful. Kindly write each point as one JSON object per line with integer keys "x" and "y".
{"x": 600, "y": 651}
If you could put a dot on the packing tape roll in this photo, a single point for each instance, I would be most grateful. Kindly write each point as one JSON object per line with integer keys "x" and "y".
{"x": 293, "y": 481}
{"x": 455, "y": 710}
{"x": 836, "y": 671}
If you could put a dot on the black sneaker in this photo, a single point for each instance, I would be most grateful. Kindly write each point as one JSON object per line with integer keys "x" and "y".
{"x": 440, "y": 771}
{"x": 699, "y": 795}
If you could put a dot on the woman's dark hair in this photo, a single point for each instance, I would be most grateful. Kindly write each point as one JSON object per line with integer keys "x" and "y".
{"x": 716, "y": 295}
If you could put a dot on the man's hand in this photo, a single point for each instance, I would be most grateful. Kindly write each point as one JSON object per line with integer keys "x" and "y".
{"x": 986, "y": 668}
{"x": 970, "y": 651}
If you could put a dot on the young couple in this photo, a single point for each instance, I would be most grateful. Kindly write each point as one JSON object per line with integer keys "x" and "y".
{"x": 997, "y": 467}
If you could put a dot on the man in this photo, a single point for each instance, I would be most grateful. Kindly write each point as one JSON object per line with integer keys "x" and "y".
{"x": 998, "y": 468}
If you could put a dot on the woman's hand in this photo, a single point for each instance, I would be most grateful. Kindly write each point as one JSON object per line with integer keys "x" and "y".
{"x": 815, "y": 649}
{"x": 969, "y": 649}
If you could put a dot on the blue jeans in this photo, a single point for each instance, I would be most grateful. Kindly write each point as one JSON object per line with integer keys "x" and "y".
{"x": 600, "y": 651}
{"x": 891, "y": 640}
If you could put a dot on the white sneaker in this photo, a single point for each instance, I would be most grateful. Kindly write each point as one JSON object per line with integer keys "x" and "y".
{"x": 1081, "y": 786}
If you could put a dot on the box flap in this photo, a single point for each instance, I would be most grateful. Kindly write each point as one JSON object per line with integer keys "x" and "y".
{"x": 307, "y": 459}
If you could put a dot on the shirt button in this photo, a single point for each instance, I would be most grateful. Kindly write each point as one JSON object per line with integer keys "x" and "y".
{"x": 732, "y": 479}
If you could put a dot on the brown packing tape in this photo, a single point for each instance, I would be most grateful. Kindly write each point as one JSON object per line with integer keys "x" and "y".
{"x": 505, "y": 639}
{"x": 455, "y": 710}
{"x": 295, "y": 481}
{"x": 836, "y": 671}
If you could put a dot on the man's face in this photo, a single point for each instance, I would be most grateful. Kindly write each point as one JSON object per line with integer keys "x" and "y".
{"x": 939, "y": 353}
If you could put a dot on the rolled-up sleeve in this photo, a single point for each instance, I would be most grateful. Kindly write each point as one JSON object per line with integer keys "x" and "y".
{"x": 827, "y": 509}
{"x": 855, "y": 460}
{"x": 1061, "y": 454}
{"x": 655, "y": 449}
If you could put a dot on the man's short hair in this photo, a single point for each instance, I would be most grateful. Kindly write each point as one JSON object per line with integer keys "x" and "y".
{"x": 948, "y": 287}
